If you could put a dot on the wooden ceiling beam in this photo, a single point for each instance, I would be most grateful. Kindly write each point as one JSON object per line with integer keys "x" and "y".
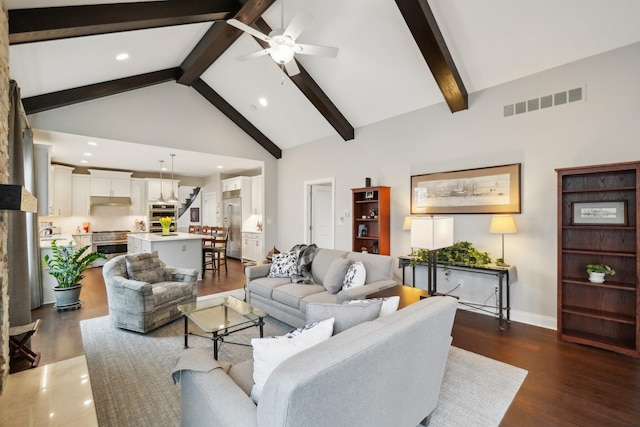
{"x": 425, "y": 31}
{"x": 217, "y": 40}
{"x": 49, "y": 101}
{"x": 225, "y": 108}
{"x": 52, "y": 23}
{"x": 314, "y": 92}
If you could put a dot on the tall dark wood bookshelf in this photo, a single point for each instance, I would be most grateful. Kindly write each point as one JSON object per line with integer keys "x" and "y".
{"x": 371, "y": 214}
{"x": 603, "y": 315}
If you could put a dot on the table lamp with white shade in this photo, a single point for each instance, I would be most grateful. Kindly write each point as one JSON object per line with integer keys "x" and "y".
{"x": 502, "y": 224}
{"x": 431, "y": 234}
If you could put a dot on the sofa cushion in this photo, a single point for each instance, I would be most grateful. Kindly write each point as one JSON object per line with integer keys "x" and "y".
{"x": 145, "y": 267}
{"x": 264, "y": 286}
{"x": 389, "y": 304}
{"x": 268, "y": 353}
{"x": 321, "y": 262}
{"x": 321, "y": 298}
{"x": 356, "y": 276}
{"x": 345, "y": 315}
{"x": 242, "y": 374}
{"x": 292, "y": 293}
{"x": 285, "y": 264}
{"x": 335, "y": 275}
{"x": 166, "y": 292}
{"x": 379, "y": 267}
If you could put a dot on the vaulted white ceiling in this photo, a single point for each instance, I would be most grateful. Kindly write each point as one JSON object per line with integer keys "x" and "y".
{"x": 379, "y": 72}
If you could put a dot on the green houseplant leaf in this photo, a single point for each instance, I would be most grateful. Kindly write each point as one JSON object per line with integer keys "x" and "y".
{"x": 460, "y": 253}
{"x": 600, "y": 268}
{"x": 67, "y": 263}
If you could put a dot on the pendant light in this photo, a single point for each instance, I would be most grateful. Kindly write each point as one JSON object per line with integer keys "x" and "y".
{"x": 172, "y": 198}
{"x": 161, "y": 198}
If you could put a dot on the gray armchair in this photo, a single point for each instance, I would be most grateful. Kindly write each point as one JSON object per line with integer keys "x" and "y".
{"x": 151, "y": 301}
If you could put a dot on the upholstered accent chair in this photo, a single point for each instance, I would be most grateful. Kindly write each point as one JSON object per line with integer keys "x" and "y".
{"x": 143, "y": 293}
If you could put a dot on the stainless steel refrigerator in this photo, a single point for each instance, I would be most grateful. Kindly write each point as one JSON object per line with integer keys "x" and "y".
{"x": 232, "y": 202}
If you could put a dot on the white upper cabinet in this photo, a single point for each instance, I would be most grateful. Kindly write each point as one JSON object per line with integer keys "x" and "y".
{"x": 256, "y": 195}
{"x": 154, "y": 186}
{"x": 61, "y": 190}
{"x": 81, "y": 193}
{"x": 110, "y": 183}
{"x": 138, "y": 196}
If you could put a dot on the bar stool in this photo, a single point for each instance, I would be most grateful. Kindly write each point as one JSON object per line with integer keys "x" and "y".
{"x": 18, "y": 338}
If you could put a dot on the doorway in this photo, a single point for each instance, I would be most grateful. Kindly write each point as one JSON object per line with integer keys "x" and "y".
{"x": 319, "y": 212}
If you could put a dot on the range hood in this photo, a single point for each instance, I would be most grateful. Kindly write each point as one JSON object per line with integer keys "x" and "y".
{"x": 110, "y": 201}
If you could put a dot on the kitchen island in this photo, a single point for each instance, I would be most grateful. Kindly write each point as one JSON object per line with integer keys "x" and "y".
{"x": 176, "y": 250}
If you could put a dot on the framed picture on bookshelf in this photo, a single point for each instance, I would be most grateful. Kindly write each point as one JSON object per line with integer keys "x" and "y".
{"x": 598, "y": 213}
{"x": 362, "y": 230}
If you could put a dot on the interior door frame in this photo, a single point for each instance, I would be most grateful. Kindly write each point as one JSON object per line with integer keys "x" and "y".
{"x": 307, "y": 208}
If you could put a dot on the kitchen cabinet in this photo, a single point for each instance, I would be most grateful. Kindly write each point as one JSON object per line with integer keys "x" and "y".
{"x": 182, "y": 250}
{"x": 61, "y": 190}
{"x": 231, "y": 184}
{"x": 155, "y": 186}
{"x": 110, "y": 183}
{"x": 138, "y": 197}
{"x": 81, "y": 192}
{"x": 252, "y": 246}
{"x": 256, "y": 195}
{"x": 82, "y": 240}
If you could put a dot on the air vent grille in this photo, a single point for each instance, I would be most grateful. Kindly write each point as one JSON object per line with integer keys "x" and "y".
{"x": 547, "y": 101}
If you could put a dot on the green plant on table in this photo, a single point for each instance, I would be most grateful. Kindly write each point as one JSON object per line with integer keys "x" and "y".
{"x": 600, "y": 268}
{"x": 67, "y": 263}
{"x": 460, "y": 253}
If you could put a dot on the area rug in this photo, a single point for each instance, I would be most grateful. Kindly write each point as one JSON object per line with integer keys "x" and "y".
{"x": 131, "y": 381}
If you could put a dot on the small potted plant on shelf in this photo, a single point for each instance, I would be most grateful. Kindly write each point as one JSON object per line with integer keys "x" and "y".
{"x": 598, "y": 271}
{"x": 67, "y": 265}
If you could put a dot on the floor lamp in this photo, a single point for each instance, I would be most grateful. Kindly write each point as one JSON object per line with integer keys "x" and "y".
{"x": 431, "y": 234}
{"x": 502, "y": 224}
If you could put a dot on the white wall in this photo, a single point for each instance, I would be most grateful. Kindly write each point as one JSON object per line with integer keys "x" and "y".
{"x": 603, "y": 129}
{"x": 166, "y": 115}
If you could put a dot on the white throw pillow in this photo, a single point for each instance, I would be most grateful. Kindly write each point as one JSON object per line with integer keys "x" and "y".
{"x": 270, "y": 352}
{"x": 356, "y": 276}
{"x": 284, "y": 264}
{"x": 389, "y": 304}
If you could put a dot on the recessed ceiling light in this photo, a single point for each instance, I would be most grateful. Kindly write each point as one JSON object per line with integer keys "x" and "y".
{"x": 263, "y": 102}
{"x": 122, "y": 56}
{"x": 164, "y": 168}
{"x": 88, "y": 154}
{"x": 220, "y": 166}
{"x": 92, "y": 143}
{"x": 84, "y": 161}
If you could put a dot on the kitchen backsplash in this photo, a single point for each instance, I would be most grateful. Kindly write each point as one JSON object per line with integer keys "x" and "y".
{"x": 101, "y": 218}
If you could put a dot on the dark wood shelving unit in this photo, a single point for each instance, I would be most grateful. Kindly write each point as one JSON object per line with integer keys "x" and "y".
{"x": 371, "y": 213}
{"x": 604, "y": 315}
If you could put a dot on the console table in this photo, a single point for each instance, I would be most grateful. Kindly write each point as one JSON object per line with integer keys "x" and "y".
{"x": 502, "y": 273}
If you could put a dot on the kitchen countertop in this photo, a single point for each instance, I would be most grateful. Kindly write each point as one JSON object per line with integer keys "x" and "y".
{"x": 61, "y": 240}
{"x": 157, "y": 237}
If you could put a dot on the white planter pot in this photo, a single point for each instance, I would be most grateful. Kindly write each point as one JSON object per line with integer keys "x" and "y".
{"x": 596, "y": 277}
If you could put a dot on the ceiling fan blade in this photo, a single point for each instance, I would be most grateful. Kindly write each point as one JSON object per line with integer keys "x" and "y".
{"x": 257, "y": 54}
{"x": 297, "y": 24}
{"x": 247, "y": 29}
{"x": 292, "y": 68}
{"x": 311, "y": 49}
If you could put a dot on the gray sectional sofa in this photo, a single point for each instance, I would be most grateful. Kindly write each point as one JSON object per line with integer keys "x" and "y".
{"x": 287, "y": 301}
{"x": 384, "y": 372}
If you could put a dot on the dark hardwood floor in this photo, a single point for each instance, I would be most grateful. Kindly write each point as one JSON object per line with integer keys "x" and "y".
{"x": 567, "y": 384}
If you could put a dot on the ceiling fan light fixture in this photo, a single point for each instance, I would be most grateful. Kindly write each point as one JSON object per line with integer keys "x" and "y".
{"x": 281, "y": 53}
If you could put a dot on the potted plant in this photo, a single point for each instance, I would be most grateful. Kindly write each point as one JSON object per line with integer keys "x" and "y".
{"x": 66, "y": 265}
{"x": 598, "y": 271}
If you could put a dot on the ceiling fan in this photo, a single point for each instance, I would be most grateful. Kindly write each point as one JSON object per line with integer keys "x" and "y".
{"x": 282, "y": 42}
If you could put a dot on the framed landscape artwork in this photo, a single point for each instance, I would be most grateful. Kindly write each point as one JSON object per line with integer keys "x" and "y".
{"x": 491, "y": 190}
{"x": 596, "y": 213}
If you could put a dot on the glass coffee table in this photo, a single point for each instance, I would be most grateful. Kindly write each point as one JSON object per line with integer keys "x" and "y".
{"x": 221, "y": 317}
